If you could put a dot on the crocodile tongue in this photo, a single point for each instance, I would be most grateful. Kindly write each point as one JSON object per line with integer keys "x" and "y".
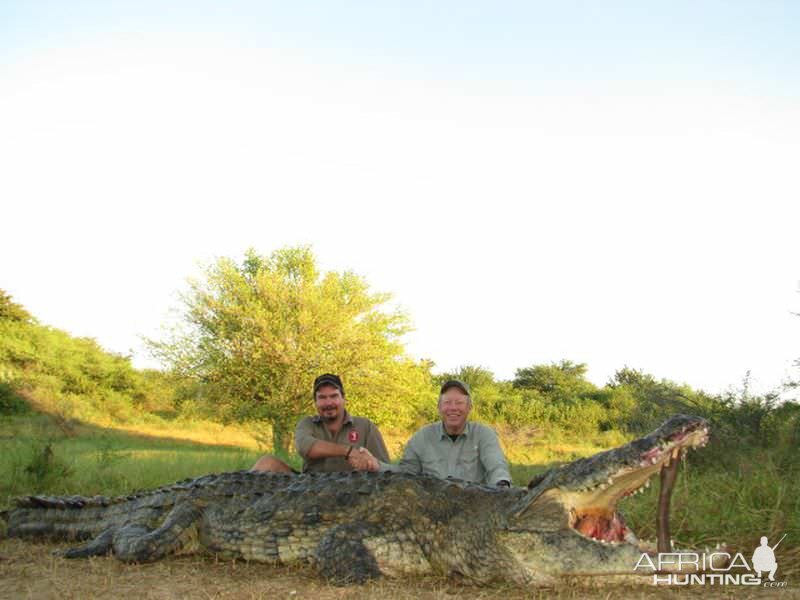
{"x": 669, "y": 473}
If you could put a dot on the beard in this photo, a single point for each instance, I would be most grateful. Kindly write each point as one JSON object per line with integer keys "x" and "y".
{"x": 329, "y": 418}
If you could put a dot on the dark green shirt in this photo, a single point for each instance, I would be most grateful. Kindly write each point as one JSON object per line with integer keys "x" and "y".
{"x": 355, "y": 431}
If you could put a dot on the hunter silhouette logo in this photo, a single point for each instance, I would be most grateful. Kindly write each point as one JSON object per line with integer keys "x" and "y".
{"x": 764, "y": 558}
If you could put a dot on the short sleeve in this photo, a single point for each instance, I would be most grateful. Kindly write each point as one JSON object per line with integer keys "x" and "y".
{"x": 375, "y": 443}
{"x": 304, "y": 436}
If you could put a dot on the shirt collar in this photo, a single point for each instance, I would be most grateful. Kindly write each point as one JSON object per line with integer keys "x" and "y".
{"x": 443, "y": 432}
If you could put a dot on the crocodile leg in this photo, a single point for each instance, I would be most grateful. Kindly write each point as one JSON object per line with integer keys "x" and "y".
{"x": 343, "y": 558}
{"x": 99, "y": 546}
{"x": 139, "y": 543}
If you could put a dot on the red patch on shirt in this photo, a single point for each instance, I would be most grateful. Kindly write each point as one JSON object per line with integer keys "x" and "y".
{"x": 353, "y": 436}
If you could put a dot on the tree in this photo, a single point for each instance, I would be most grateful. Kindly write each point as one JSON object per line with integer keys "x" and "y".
{"x": 474, "y": 376}
{"x": 564, "y": 381}
{"x": 257, "y": 333}
{"x": 12, "y": 311}
{"x": 654, "y": 400}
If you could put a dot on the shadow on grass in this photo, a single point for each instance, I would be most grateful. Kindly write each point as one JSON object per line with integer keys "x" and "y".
{"x": 41, "y": 455}
{"x": 43, "y": 426}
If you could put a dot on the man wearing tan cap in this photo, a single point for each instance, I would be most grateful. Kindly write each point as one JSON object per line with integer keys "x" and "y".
{"x": 455, "y": 447}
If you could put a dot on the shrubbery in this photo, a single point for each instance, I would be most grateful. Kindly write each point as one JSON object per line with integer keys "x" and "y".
{"x": 11, "y": 402}
{"x": 69, "y": 376}
{"x": 75, "y": 379}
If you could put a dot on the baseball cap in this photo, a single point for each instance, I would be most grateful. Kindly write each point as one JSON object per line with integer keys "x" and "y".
{"x": 454, "y": 383}
{"x": 328, "y": 379}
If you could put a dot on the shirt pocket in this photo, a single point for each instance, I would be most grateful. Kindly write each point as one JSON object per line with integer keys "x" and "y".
{"x": 469, "y": 456}
{"x": 433, "y": 461}
{"x": 434, "y": 464}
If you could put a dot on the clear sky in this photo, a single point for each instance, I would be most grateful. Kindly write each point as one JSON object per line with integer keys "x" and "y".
{"x": 613, "y": 183}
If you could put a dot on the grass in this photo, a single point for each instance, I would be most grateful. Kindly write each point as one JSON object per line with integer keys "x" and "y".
{"x": 736, "y": 502}
{"x": 90, "y": 460}
{"x": 43, "y": 455}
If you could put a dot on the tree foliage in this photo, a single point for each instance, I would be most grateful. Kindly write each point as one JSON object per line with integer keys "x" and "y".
{"x": 67, "y": 374}
{"x": 644, "y": 401}
{"x": 256, "y": 333}
{"x": 564, "y": 381}
{"x": 11, "y": 311}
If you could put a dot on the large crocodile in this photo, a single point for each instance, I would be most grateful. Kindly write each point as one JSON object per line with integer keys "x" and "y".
{"x": 358, "y": 526}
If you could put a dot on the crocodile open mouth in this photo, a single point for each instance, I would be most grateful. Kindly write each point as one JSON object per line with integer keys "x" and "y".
{"x": 593, "y": 511}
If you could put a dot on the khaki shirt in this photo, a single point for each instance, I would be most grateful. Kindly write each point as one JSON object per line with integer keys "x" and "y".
{"x": 355, "y": 431}
{"x": 475, "y": 455}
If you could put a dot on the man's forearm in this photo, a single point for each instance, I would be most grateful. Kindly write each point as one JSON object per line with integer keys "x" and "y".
{"x": 323, "y": 449}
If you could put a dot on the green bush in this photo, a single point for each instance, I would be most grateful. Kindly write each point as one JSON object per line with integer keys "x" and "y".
{"x": 11, "y": 403}
{"x": 44, "y": 470}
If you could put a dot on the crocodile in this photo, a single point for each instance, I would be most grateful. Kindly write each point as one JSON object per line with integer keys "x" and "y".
{"x": 353, "y": 527}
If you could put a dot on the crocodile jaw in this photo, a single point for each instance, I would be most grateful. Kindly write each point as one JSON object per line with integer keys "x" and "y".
{"x": 571, "y": 513}
{"x": 593, "y": 512}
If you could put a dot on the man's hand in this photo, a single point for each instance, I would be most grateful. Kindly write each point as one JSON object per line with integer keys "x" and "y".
{"x": 361, "y": 459}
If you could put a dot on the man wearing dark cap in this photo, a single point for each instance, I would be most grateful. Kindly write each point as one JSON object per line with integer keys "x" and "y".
{"x": 454, "y": 447}
{"x": 332, "y": 440}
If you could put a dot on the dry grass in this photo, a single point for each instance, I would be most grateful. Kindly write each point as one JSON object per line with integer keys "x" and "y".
{"x": 30, "y": 571}
{"x": 202, "y": 432}
{"x": 529, "y": 445}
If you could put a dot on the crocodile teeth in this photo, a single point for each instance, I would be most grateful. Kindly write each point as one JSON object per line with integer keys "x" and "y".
{"x": 647, "y": 483}
{"x": 653, "y": 461}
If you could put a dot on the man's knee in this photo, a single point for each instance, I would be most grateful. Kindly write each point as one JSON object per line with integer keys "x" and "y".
{"x": 270, "y": 463}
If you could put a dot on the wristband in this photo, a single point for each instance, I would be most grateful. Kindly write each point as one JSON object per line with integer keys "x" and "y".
{"x": 349, "y": 450}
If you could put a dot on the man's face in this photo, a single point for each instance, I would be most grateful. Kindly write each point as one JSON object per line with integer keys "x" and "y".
{"x": 454, "y": 407}
{"x": 330, "y": 402}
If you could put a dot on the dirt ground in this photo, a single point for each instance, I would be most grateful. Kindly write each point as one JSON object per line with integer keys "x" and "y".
{"x": 30, "y": 570}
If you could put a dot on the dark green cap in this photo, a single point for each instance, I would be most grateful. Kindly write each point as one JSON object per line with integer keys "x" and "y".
{"x": 328, "y": 379}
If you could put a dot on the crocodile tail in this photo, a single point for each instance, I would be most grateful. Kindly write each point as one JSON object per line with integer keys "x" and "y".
{"x": 57, "y": 517}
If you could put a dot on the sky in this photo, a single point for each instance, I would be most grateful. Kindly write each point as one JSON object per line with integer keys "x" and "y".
{"x": 613, "y": 183}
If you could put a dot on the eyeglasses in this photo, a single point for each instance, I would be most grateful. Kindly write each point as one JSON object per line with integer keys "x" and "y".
{"x": 462, "y": 401}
